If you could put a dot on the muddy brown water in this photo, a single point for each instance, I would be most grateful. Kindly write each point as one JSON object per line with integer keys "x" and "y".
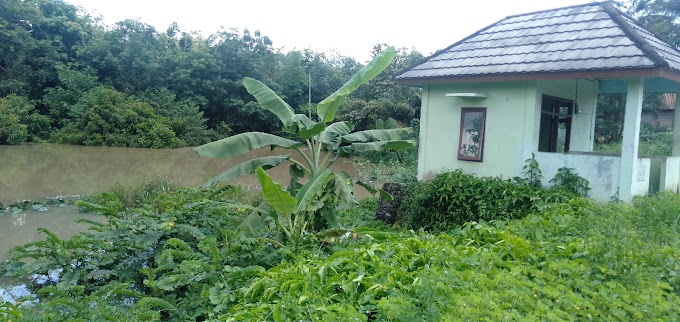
{"x": 39, "y": 171}
{"x": 35, "y": 171}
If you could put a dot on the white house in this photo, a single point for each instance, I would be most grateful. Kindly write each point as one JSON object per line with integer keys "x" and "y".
{"x": 529, "y": 83}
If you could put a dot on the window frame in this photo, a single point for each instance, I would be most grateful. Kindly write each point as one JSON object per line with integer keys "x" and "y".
{"x": 480, "y": 155}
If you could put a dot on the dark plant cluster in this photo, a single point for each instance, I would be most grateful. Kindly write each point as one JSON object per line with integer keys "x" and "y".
{"x": 454, "y": 198}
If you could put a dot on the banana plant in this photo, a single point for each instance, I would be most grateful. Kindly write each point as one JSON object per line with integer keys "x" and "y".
{"x": 320, "y": 143}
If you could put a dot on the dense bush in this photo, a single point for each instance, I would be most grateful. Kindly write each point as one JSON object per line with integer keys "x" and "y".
{"x": 104, "y": 116}
{"x": 180, "y": 259}
{"x": 454, "y": 198}
{"x": 19, "y": 122}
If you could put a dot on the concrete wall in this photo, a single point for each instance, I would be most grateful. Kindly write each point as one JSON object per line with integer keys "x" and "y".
{"x": 665, "y": 174}
{"x": 602, "y": 171}
{"x": 504, "y": 130}
{"x": 670, "y": 174}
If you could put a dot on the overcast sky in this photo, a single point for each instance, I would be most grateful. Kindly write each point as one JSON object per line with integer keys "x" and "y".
{"x": 350, "y": 27}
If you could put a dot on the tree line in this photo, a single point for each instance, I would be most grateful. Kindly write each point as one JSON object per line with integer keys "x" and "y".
{"x": 66, "y": 77}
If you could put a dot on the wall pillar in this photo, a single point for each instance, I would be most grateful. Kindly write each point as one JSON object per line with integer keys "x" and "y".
{"x": 631, "y": 139}
{"x": 422, "y": 136}
{"x": 676, "y": 126}
{"x": 532, "y": 117}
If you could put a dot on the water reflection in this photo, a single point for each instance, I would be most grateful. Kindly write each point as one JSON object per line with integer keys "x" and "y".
{"x": 19, "y": 220}
{"x": 22, "y": 228}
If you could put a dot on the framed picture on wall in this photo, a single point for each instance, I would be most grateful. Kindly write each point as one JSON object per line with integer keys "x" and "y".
{"x": 471, "y": 139}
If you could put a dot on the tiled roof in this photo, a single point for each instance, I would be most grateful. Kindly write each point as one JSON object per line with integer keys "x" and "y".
{"x": 591, "y": 37}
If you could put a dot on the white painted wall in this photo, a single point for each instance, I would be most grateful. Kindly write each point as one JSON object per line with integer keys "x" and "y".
{"x": 601, "y": 171}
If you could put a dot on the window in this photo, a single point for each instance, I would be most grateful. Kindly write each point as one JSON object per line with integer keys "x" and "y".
{"x": 555, "y": 130}
{"x": 471, "y": 143}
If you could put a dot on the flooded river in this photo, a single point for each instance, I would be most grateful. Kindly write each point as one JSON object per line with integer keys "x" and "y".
{"x": 35, "y": 171}
{"x": 39, "y": 171}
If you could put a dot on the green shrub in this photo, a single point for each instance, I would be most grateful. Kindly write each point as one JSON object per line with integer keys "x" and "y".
{"x": 453, "y": 198}
{"x": 19, "y": 122}
{"x": 104, "y": 116}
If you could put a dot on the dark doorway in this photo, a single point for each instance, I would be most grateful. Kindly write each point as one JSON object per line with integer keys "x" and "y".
{"x": 555, "y": 129}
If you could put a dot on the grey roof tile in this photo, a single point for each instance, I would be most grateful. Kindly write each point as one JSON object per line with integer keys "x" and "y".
{"x": 580, "y": 38}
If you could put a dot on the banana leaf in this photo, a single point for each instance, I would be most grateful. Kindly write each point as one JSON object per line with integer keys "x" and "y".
{"x": 327, "y": 108}
{"x": 311, "y": 190}
{"x": 243, "y": 143}
{"x": 332, "y": 135}
{"x": 378, "y": 135}
{"x": 269, "y": 100}
{"x": 274, "y": 195}
{"x": 304, "y": 127}
{"x": 248, "y": 167}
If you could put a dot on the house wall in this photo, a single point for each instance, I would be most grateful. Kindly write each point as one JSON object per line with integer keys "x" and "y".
{"x": 504, "y": 130}
{"x": 583, "y": 122}
{"x": 512, "y": 124}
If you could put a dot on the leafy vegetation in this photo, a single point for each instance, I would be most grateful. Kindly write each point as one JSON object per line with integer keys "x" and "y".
{"x": 454, "y": 198}
{"x": 183, "y": 259}
{"x": 78, "y": 81}
{"x": 297, "y": 208}
{"x": 653, "y": 142}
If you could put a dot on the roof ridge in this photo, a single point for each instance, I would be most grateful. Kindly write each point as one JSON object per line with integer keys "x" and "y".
{"x": 617, "y": 16}
{"x": 587, "y": 4}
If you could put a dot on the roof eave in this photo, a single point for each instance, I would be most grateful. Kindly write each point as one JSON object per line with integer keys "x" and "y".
{"x": 592, "y": 74}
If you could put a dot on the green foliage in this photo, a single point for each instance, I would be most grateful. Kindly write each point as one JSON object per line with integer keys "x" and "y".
{"x": 312, "y": 204}
{"x": 557, "y": 266}
{"x": 454, "y": 198}
{"x": 567, "y": 179}
{"x": 184, "y": 116}
{"x": 9, "y": 311}
{"x": 19, "y": 122}
{"x": 531, "y": 171}
{"x": 53, "y": 53}
{"x": 182, "y": 259}
{"x": 104, "y": 116}
{"x": 653, "y": 142}
{"x": 135, "y": 196}
{"x": 164, "y": 256}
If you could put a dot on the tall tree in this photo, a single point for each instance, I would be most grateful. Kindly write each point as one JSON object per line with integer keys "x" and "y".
{"x": 659, "y": 16}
